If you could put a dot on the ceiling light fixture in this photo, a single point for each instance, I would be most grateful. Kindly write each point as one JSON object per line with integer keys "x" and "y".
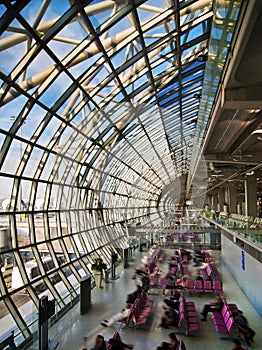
{"x": 241, "y": 157}
{"x": 211, "y": 166}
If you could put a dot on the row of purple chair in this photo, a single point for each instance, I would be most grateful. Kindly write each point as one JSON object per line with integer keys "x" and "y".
{"x": 224, "y": 320}
{"x": 188, "y": 315}
{"x": 158, "y": 254}
{"x": 160, "y": 283}
{"x": 189, "y": 285}
{"x": 182, "y": 270}
{"x": 141, "y": 309}
{"x": 210, "y": 271}
{"x": 152, "y": 268}
{"x": 203, "y": 286}
{"x": 188, "y": 320}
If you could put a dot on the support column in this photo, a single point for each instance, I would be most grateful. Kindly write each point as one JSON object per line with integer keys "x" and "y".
{"x": 251, "y": 197}
{"x": 221, "y": 199}
{"x": 232, "y": 198}
{"x": 208, "y": 202}
{"x": 214, "y": 200}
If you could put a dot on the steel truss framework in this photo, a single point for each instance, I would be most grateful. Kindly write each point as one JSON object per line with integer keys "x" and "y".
{"x": 104, "y": 108}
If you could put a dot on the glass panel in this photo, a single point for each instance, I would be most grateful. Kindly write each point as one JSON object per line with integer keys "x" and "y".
{"x": 7, "y": 262}
{"x": 85, "y": 144}
{"x": 8, "y": 324}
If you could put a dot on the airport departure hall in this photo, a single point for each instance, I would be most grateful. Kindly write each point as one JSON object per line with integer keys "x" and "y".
{"x": 127, "y": 127}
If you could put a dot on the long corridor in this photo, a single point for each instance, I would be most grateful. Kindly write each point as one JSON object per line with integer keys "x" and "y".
{"x": 71, "y": 330}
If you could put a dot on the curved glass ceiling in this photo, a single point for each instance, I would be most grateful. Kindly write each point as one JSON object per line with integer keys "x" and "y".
{"x": 102, "y": 104}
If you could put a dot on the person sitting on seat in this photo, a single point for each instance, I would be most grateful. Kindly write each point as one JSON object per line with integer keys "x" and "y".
{"x": 131, "y": 298}
{"x": 170, "y": 318}
{"x": 170, "y": 283}
{"x": 140, "y": 272}
{"x": 100, "y": 343}
{"x": 243, "y": 327}
{"x": 199, "y": 257}
{"x": 217, "y": 306}
{"x": 173, "y": 304}
{"x": 172, "y": 345}
{"x": 145, "y": 279}
{"x": 125, "y": 312}
{"x": 172, "y": 262}
{"x": 183, "y": 251}
{"x": 115, "y": 344}
{"x": 199, "y": 277}
{"x": 176, "y": 295}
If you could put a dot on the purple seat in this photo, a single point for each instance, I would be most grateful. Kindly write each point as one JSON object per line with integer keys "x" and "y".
{"x": 191, "y": 323}
{"x": 162, "y": 283}
{"x": 190, "y": 308}
{"x": 217, "y": 287}
{"x": 226, "y": 328}
{"x": 233, "y": 308}
{"x": 198, "y": 286}
{"x": 208, "y": 287}
{"x": 224, "y": 310}
{"x": 185, "y": 271}
{"x": 220, "y": 328}
{"x": 190, "y": 286}
{"x": 229, "y": 324}
{"x": 192, "y": 319}
{"x": 191, "y": 313}
{"x": 185, "y": 259}
{"x": 227, "y": 316}
{"x": 223, "y": 320}
{"x": 191, "y": 327}
{"x": 219, "y": 316}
